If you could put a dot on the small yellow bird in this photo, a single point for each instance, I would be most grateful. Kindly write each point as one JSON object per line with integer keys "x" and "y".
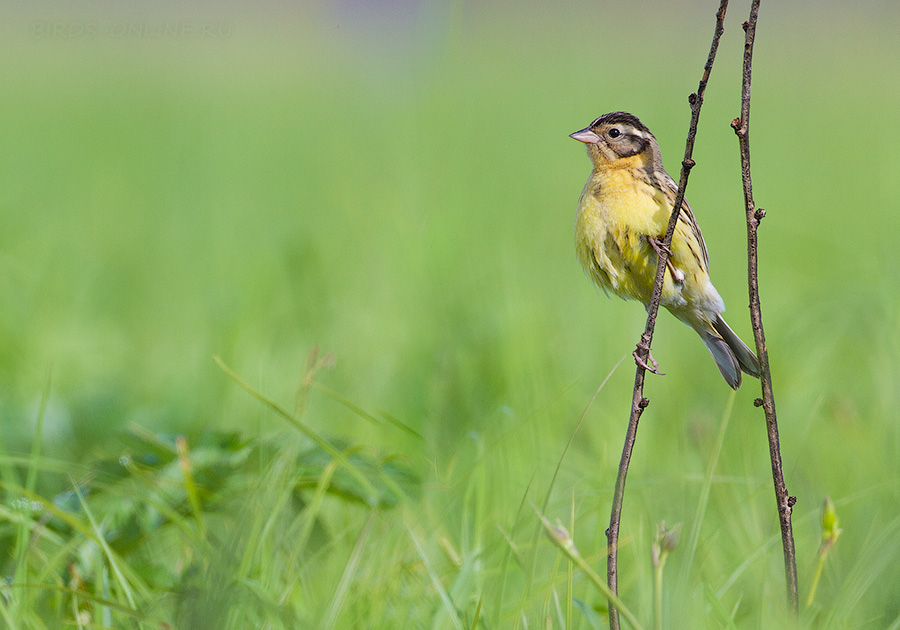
{"x": 620, "y": 225}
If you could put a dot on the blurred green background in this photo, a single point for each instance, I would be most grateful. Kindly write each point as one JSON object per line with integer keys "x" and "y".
{"x": 393, "y": 182}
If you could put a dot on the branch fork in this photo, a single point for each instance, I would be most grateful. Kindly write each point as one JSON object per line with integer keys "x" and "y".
{"x": 784, "y": 501}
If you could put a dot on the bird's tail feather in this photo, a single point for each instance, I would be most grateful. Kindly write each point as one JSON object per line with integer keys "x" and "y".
{"x": 745, "y": 357}
{"x": 732, "y": 356}
{"x": 724, "y": 357}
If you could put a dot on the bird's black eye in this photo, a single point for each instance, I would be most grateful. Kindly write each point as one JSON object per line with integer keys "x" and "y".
{"x": 614, "y": 133}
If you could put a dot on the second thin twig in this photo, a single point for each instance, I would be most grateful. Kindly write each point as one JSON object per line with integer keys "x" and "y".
{"x": 767, "y": 402}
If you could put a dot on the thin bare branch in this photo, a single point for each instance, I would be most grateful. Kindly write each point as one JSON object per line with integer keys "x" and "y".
{"x": 755, "y": 215}
{"x": 642, "y": 352}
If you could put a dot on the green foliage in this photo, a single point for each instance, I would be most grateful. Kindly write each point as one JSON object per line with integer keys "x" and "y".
{"x": 398, "y": 189}
{"x": 129, "y": 543}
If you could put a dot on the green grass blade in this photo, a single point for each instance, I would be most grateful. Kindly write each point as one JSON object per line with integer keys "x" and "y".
{"x": 110, "y": 556}
{"x": 312, "y": 435}
{"x": 703, "y": 501}
{"x": 340, "y": 593}
{"x": 447, "y": 603}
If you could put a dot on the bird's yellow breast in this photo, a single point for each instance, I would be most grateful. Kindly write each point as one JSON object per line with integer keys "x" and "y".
{"x": 620, "y": 198}
{"x": 617, "y": 211}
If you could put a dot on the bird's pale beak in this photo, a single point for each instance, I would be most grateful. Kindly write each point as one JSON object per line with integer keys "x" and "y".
{"x": 585, "y": 135}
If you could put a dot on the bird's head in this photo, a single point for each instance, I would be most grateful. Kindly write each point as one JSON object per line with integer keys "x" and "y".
{"x": 616, "y": 137}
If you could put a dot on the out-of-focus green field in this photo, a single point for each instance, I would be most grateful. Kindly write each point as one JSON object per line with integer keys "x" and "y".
{"x": 393, "y": 183}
